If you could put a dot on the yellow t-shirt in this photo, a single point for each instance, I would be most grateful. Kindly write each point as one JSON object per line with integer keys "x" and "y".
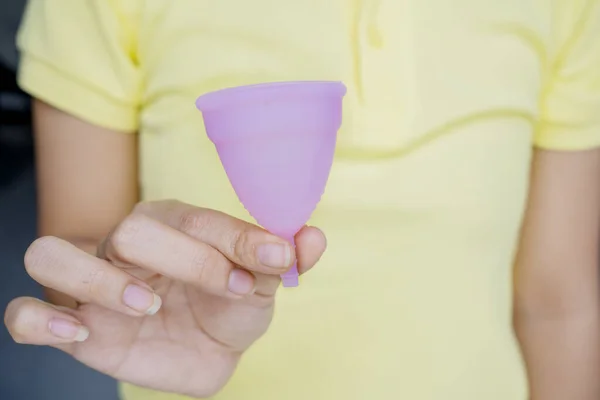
{"x": 445, "y": 100}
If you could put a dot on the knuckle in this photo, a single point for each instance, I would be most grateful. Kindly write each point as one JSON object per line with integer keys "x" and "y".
{"x": 125, "y": 235}
{"x": 200, "y": 263}
{"x": 38, "y": 254}
{"x": 240, "y": 245}
{"x": 194, "y": 221}
{"x": 95, "y": 283}
{"x": 206, "y": 268}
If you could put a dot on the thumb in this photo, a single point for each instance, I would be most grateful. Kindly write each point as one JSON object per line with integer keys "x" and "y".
{"x": 310, "y": 246}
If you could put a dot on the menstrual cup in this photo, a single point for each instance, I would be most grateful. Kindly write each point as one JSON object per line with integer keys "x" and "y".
{"x": 276, "y": 142}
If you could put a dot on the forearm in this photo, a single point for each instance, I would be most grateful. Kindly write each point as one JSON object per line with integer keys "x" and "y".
{"x": 556, "y": 280}
{"x": 561, "y": 348}
{"x": 87, "y": 180}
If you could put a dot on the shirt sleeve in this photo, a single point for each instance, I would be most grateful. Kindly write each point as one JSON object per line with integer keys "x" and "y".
{"x": 80, "y": 56}
{"x": 570, "y": 106}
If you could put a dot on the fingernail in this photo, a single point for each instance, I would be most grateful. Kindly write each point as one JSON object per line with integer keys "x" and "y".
{"x": 241, "y": 282}
{"x": 274, "y": 255}
{"x": 65, "y": 329}
{"x": 141, "y": 299}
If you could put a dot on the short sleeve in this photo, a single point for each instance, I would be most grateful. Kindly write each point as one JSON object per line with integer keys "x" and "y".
{"x": 570, "y": 105}
{"x": 80, "y": 56}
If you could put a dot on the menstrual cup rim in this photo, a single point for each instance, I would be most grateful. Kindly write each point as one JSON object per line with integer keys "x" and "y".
{"x": 239, "y": 94}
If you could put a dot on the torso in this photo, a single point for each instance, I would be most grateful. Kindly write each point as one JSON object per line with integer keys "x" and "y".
{"x": 413, "y": 297}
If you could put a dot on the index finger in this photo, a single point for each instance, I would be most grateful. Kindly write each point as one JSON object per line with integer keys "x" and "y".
{"x": 244, "y": 244}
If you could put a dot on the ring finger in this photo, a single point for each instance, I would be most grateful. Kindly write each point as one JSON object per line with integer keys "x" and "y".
{"x": 59, "y": 265}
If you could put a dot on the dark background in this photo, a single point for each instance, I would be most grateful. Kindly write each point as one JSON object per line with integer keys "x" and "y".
{"x": 27, "y": 372}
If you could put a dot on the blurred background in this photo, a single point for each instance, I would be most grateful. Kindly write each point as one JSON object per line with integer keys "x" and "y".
{"x": 27, "y": 372}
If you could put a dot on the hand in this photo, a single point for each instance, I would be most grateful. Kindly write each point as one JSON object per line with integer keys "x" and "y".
{"x": 173, "y": 298}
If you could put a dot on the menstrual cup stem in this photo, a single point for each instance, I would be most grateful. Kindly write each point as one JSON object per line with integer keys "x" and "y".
{"x": 290, "y": 278}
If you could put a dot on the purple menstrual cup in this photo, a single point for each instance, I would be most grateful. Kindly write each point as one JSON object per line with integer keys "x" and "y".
{"x": 276, "y": 142}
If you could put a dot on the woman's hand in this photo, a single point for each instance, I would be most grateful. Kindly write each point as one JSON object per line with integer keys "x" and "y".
{"x": 173, "y": 298}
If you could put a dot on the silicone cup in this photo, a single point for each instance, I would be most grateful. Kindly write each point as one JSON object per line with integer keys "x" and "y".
{"x": 276, "y": 142}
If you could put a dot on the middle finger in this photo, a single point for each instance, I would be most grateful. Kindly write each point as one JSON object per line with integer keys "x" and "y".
{"x": 144, "y": 242}
{"x": 61, "y": 266}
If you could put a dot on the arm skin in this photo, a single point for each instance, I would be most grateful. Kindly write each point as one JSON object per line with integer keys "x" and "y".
{"x": 557, "y": 295}
{"x": 86, "y": 179}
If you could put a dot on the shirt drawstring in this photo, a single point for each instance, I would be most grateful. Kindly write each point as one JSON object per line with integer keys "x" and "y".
{"x": 373, "y": 33}
{"x": 369, "y": 10}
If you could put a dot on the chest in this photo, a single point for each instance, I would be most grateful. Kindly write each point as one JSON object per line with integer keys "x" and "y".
{"x": 413, "y": 65}
{"x": 442, "y": 94}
